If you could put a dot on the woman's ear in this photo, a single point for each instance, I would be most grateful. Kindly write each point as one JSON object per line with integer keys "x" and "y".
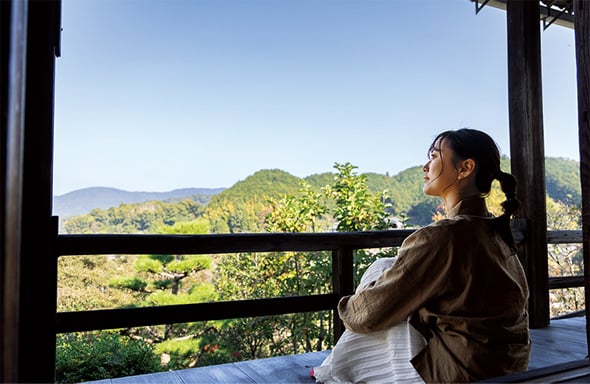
{"x": 466, "y": 168}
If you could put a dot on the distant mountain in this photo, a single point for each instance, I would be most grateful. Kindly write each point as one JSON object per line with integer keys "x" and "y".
{"x": 83, "y": 201}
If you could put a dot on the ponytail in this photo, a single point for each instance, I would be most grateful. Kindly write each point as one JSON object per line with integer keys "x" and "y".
{"x": 502, "y": 223}
{"x": 469, "y": 143}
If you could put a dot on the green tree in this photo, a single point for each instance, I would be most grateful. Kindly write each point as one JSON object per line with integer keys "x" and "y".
{"x": 347, "y": 205}
{"x": 173, "y": 279}
{"x": 297, "y": 213}
{"x": 356, "y": 208}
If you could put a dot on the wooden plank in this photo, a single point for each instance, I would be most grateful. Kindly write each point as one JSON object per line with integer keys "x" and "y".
{"x": 566, "y": 282}
{"x": 226, "y": 243}
{"x": 105, "y": 381}
{"x": 553, "y": 374}
{"x": 151, "y": 378}
{"x": 184, "y": 313}
{"x": 283, "y": 369}
{"x": 222, "y": 374}
{"x": 564, "y": 237}
{"x": 287, "y": 369}
{"x": 527, "y": 156}
{"x": 560, "y": 342}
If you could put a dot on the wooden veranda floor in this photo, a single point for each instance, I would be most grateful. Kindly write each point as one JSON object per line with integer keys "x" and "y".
{"x": 563, "y": 341}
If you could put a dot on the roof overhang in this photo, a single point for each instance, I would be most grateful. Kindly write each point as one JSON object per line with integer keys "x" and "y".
{"x": 552, "y": 11}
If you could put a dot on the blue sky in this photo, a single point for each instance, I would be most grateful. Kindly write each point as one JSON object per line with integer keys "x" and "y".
{"x": 154, "y": 95}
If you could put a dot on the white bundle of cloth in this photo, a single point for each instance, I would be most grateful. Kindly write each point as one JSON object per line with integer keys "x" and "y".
{"x": 379, "y": 357}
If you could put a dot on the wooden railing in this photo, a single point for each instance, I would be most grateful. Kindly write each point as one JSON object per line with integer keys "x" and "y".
{"x": 341, "y": 244}
{"x": 565, "y": 237}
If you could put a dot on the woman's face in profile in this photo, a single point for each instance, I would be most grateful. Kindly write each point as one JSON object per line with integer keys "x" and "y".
{"x": 439, "y": 171}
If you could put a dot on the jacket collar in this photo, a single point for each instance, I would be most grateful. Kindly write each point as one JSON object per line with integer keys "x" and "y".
{"x": 475, "y": 206}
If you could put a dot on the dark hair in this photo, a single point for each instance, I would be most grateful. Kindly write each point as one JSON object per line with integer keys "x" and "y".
{"x": 468, "y": 143}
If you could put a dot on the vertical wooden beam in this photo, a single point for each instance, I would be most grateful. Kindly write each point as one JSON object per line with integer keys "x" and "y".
{"x": 38, "y": 278}
{"x": 527, "y": 147}
{"x": 582, "y": 36}
{"x": 13, "y": 46}
{"x": 342, "y": 282}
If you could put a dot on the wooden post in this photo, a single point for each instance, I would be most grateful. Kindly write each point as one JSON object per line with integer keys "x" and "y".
{"x": 527, "y": 147}
{"x": 342, "y": 282}
{"x": 582, "y": 35}
{"x": 13, "y": 47}
{"x": 38, "y": 267}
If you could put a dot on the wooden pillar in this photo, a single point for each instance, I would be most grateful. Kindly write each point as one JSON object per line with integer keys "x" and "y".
{"x": 582, "y": 35}
{"x": 13, "y": 46}
{"x": 38, "y": 266}
{"x": 527, "y": 147}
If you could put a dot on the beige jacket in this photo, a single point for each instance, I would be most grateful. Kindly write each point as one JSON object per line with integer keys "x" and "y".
{"x": 465, "y": 291}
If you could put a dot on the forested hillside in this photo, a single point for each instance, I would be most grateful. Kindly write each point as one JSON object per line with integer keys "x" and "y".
{"x": 243, "y": 206}
{"x": 563, "y": 180}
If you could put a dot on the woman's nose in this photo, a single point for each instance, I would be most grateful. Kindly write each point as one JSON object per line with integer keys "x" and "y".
{"x": 426, "y": 166}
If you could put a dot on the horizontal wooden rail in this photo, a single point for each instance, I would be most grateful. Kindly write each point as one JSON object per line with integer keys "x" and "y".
{"x": 225, "y": 243}
{"x": 566, "y": 282}
{"x": 185, "y": 313}
{"x": 564, "y": 237}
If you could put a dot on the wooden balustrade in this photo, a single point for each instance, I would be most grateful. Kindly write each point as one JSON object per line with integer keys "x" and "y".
{"x": 341, "y": 245}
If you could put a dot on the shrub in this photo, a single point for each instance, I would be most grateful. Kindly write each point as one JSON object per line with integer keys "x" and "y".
{"x": 105, "y": 355}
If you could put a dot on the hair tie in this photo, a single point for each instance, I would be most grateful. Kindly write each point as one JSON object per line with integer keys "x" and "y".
{"x": 497, "y": 173}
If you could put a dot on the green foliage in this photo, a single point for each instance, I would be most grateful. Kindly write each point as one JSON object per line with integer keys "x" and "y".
{"x": 102, "y": 356}
{"x": 300, "y": 213}
{"x": 198, "y": 293}
{"x": 134, "y": 283}
{"x": 84, "y": 282}
{"x": 319, "y": 180}
{"x": 242, "y": 207}
{"x": 198, "y": 226}
{"x": 151, "y": 263}
{"x": 356, "y": 208}
{"x": 563, "y": 180}
{"x": 134, "y": 218}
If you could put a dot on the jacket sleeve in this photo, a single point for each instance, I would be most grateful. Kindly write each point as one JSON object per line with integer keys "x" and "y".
{"x": 417, "y": 276}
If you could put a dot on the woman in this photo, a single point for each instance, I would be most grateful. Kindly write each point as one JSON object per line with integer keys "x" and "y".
{"x": 452, "y": 307}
